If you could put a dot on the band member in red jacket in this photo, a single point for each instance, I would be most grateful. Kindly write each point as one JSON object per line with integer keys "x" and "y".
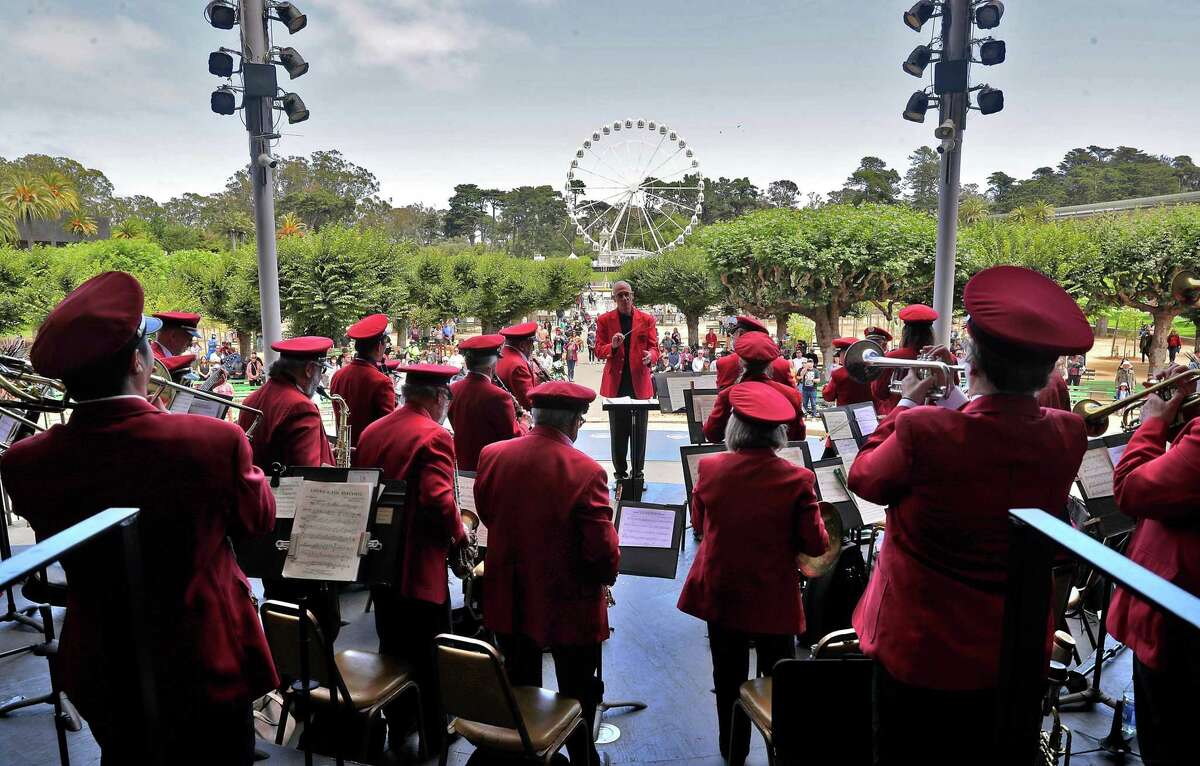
{"x": 552, "y": 550}
{"x": 932, "y": 616}
{"x": 917, "y": 334}
{"x": 757, "y": 353}
{"x": 756, "y": 511}
{"x": 1161, "y": 489}
{"x": 879, "y": 335}
{"x": 175, "y": 335}
{"x": 367, "y": 389}
{"x": 1056, "y": 395}
{"x": 514, "y": 370}
{"x": 841, "y": 388}
{"x": 208, "y": 652}
{"x": 412, "y": 445}
{"x": 627, "y": 341}
{"x": 728, "y": 367}
{"x": 480, "y": 411}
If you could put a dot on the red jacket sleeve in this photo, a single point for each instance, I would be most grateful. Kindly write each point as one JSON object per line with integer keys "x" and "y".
{"x": 718, "y": 418}
{"x": 651, "y": 339}
{"x": 697, "y": 505}
{"x": 522, "y": 381}
{"x": 882, "y": 470}
{"x": 1152, "y": 482}
{"x": 604, "y": 346}
{"x": 305, "y": 437}
{"x": 599, "y": 548}
{"x": 810, "y": 535}
{"x": 385, "y": 398}
{"x": 437, "y": 490}
{"x": 829, "y": 392}
{"x": 253, "y": 503}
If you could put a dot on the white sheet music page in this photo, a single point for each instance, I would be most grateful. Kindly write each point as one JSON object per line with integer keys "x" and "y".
{"x": 331, "y": 518}
{"x": 871, "y": 513}
{"x": 830, "y": 486}
{"x": 837, "y": 424}
{"x": 182, "y": 403}
{"x": 285, "y": 496}
{"x": 793, "y": 455}
{"x": 868, "y": 421}
{"x": 206, "y": 407}
{"x": 1096, "y": 473}
{"x": 646, "y": 527}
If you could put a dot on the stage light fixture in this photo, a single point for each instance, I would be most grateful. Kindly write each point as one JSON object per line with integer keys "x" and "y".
{"x": 293, "y": 62}
{"x": 291, "y": 16}
{"x": 916, "y": 16}
{"x": 917, "y": 60}
{"x": 988, "y": 15}
{"x": 294, "y": 107}
{"x": 220, "y": 63}
{"x": 993, "y": 52}
{"x": 220, "y": 14}
{"x": 918, "y": 105}
{"x": 990, "y": 100}
{"x": 223, "y": 101}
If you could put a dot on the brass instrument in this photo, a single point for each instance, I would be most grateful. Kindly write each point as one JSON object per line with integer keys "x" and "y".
{"x": 815, "y": 566}
{"x": 464, "y": 558}
{"x": 28, "y": 391}
{"x": 163, "y": 390}
{"x": 1095, "y": 415}
{"x": 17, "y": 420}
{"x": 522, "y": 415}
{"x": 539, "y": 373}
{"x": 1185, "y": 288}
{"x": 341, "y": 450}
{"x": 865, "y": 361}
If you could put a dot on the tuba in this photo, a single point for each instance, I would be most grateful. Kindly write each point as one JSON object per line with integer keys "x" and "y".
{"x": 815, "y": 566}
{"x": 1185, "y": 288}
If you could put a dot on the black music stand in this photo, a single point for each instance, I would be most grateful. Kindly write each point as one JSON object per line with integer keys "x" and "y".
{"x": 633, "y": 486}
{"x": 12, "y": 613}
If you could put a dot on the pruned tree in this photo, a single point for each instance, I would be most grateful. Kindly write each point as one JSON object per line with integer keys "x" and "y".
{"x": 681, "y": 277}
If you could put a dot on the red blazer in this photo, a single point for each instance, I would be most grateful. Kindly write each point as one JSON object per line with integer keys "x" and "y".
{"x": 718, "y": 418}
{"x": 158, "y": 350}
{"x": 885, "y": 400}
{"x": 933, "y": 611}
{"x": 1055, "y": 395}
{"x": 408, "y": 445}
{"x": 291, "y": 432}
{"x": 710, "y": 339}
{"x": 552, "y": 546}
{"x": 514, "y": 370}
{"x": 192, "y": 478}
{"x": 643, "y": 337}
{"x": 1161, "y": 489}
{"x": 480, "y": 413}
{"x": 368, "y": 392}
{"x": 744, "y": 576}
{"x": 843, "y": 389}
{"x": 729, "y": 367}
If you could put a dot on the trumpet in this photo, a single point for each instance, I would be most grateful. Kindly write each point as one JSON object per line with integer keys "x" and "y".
{"x": 163, "y": 391}
{"x": 1185, "y": 288}
{"x": 865, "y": 361}
{"x": 1095, "y": 415}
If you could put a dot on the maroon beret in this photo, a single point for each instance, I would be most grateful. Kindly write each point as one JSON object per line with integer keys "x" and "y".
{"x": 1024, "y": 308}
{"x": 750, "y": 324}
{"x": 186, "y": 319}
{"x": 520, "y": 330}
{"x": 877, "y": 331}
{"x": 428, "y": 374}
{"x": 846, "y": 342}
{"x": 305, "y": 345}
{"x": 176, "y": 364}
{"x": 756, "y": 347}
{"x": 918, "y": 312}
{"x": 368, "y": 327}
{"x": 561, "y": 396}
{"x": 760, "y": 402}
{"x": 482, "y": 343}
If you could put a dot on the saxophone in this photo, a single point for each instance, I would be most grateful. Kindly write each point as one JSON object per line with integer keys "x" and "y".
{"x": 341, "y": 451}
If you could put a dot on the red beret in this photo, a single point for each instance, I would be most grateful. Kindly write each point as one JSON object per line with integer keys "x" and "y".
{"x": 879, "y": 331}
{"x": 751, "y": 324}
{"x": 520, "y": 330}
{"x": 91, "y": 324}
{"x": 482, "y": 343}
{"x": 756, "y": 347}
{"x": 1020, "y": 306}
{"x": 844, "y": 342}
{"x": 176, "y": 363}
{"x": 305, "y": 345}
{"x": 368, "y": 327}
{"x": 781, "y": 371}
{"x": 185, "y": 318}
{"x": 918, "y": 312}
{"x": 392, "y": 364}
{"x": 561, "y": 396}
{"x": 428, "y": 374}
{"x": 761, "y": 402}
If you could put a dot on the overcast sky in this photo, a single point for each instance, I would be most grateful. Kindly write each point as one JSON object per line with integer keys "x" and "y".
{"x": 430, "y": 93}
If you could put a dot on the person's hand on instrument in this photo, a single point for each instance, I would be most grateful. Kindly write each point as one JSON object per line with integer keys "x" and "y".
{"x": 1156, "y": 407}
{"x": 618, "y": 339}
{"x": 1188, "y": 387}
{"x": 941, "y": 353}
{"x": 917, "y": 389}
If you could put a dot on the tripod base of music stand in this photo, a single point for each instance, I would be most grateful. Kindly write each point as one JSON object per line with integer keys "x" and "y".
{"x": 19, "y": 616}
{"x": 607, "y": 733}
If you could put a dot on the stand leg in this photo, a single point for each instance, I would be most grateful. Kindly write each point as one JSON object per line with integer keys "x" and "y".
{"x": 607, "y": 733}
{"x": 12, "y": 614}
{"x": 637, "y": 455}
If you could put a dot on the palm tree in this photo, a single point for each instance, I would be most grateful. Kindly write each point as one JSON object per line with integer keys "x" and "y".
{"x": 27, "y": 198}
{"x": 8, "y": 227}
{"x": 130, "y": 228}
{"x": 62, "y": 191}
{"x": 291, "y": 226}
{"x": 1035, "y": 212}
{"x": 972, "y": 210}
{"x": 82, "y": 224}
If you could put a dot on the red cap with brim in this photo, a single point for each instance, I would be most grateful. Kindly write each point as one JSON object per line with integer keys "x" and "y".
{"x": 428, "y": 374}
{"x": 518, "y": 331}
{"x": 98, "y": 319}
{"x": 756, "y": 347}
{"x": 368, "y": 327}
{"x": 175, "y": 364}
{"x": 1023, "y": 308}
{"x": 185, "y": 320}
{"x": 750, "y": 324}
{"x": 844, "y": 342}
{"x": 482, "y": 343}
{"x": 761, "y": 403}
{"x": 392, "y": 364}
{"x": 557, "y": 395}
{"x": 918, "y": 312}
{"x": 878, "y": 332}
{"x": 305, "y": 345}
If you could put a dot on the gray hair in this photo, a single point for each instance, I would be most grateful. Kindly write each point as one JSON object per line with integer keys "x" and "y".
{"x": 559, "y": 420}
{"x": 746, "y": 434}
{"x": 289, "y": 368}
{"x": 620, "y": 282}
{"x": 480, "y": 361}
{"x": 423, "y": 393}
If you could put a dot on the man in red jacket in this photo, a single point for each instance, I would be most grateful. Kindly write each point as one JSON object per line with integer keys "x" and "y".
{"x": 627, "y": 341}
{"x": 367, "y": 389}
{"x": 1161, "y": 489}
{"x": 757, "y": 353}
{"x": 209, "y": 654}
{"x": 513, "y": 370}
{"x": 841, "y": 388}
{"x": 551, "y": 552}
{"x": 480, "y": 411}
{"x": 178, "y": 329}
{"x": 917, "y": 334}
{"x": 932, "y": 615}
{"x": 729, "y": 366}
{"x": 710, "y": 342}
{"x": 412, "y": 445}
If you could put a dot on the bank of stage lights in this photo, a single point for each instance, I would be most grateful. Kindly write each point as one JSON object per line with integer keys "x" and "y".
{"x": 257, "y": 80}
{"x": 952, "y": 78}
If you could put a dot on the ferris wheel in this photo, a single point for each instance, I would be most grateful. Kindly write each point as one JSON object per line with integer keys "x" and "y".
{"x": 634, "y": 188}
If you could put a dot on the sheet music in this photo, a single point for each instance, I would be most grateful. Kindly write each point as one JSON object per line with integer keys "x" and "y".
{"x": 628, "y": 400}
{"x": 285, "y": 496}
{"x": 206, "y": 407}
{"x": 466, "y": 493}
{"x": 830, "y": 486}
{"x": 703, "y": 405}
{"x": 1096, "y": 474}
{"x": 837, "y": 424}
{"x": 8, "y": 429}
{"x": 182, "y": 403}
{"x": 481, "y": 535}
{"x": 646, "y": 527}
{"x": 868, "y": 421}
{"x": 793, "y": 455}
{"x": 1115, "y": 453}
{"x": 847, "y": 450}
{"x": 693, "y": 461}
{"x": 331, "y": 518}
{"x": 677, "y": 385}
{"x": 362, "y": 477}
{"x": 869, "y": 512}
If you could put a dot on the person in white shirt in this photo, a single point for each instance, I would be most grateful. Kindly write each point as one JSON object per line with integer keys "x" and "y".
{"x": 698, "y": 362}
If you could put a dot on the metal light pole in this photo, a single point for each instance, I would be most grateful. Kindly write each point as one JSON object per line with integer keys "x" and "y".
{"x": 956, "y": 43}
{"x": 258, "y": 122}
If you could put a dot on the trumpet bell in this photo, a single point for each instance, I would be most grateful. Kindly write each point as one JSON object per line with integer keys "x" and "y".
{"x": 1095, "y": 419}
{"x": 855, "y": 358}
{"x": 815, "y": 566}
{"x": 470, "y": 520}
{"x": 1185, "y": 288}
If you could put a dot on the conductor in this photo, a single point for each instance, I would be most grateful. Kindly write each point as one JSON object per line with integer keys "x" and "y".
{"x": 627, "y": 341}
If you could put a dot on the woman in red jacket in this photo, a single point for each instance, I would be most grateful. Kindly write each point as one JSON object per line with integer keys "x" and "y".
{"x": 743, "y": 582}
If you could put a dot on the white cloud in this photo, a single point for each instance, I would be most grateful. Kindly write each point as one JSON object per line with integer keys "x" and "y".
{"x": 75, "y": 44}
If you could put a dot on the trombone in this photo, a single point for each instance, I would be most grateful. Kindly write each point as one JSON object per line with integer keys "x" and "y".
{"x": 865, "y": 361}
{"x": 1095, "y": 415}
{"x": 163, "y": 391}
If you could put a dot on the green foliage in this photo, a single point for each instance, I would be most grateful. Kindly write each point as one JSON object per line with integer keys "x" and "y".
{"x": 1054, "y": 249}
{"x": 921, "y": 180}
{"x": 321, "y": 277}
{"x": 872, "y": 182}
{"x": 1138, "y": 255}
{"x": 681, "y": 277}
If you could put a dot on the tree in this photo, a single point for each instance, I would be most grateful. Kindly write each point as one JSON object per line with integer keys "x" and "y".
{"x": 1000, "y": 185}
{"x": 534, "y": 221}
{"x": 821, "y": 263}
{"x": 872, "y": 182}
{"x": 972, "y": 210}
{"x": 318, "y": 207}
{"x": 466, "y": 212}
{"x": 495, "y": 289}
{"x": 682, "y": 278}
{"x": 320, "y": 277}
{"x": 94, "y": 192}
{"x": 26, "y": 198}
{"x": 81, "y": 224}
{"x": 1037, "y": 212}
{"x": 921, "y": 180}
{"x": 131, "y": 228}
{"x": 783, "y": 193}
{"x": 290, "y": 225}
{"x": 725, "y": 198}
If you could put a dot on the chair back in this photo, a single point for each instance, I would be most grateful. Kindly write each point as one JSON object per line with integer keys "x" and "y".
{"x": 475, "y": 686}
{"x": 821, "y": 711}
{"x": 281, "y": 623}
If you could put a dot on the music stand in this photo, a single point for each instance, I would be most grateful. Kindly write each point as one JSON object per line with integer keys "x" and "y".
{"x": 698, "y": 403}
{"x": 12, "y": 613}
{"x": 640, "y": 410}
